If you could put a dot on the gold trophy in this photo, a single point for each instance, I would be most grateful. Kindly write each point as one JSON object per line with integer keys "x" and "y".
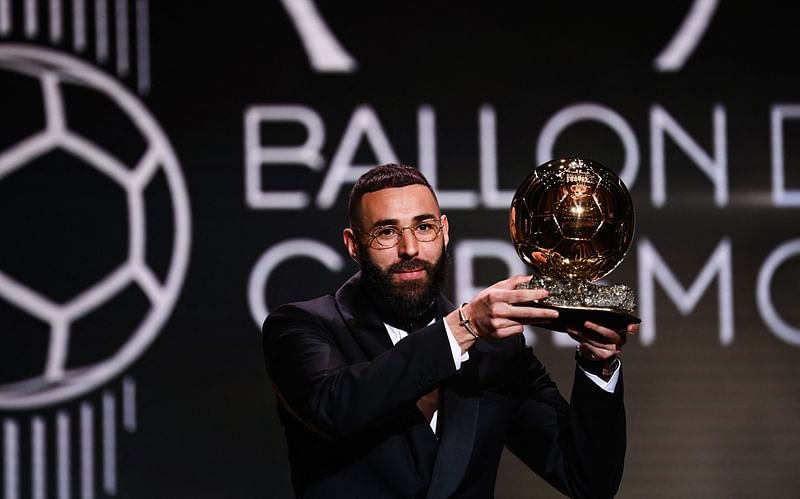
{"x": 572, "y": 220}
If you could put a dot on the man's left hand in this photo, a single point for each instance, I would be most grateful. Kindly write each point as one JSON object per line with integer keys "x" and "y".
{"x": 599, "y": 343}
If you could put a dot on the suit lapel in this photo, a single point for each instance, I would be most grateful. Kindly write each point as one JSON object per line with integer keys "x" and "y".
{"x": 458, "y": 419}
{"x": 458, "y": 414}
{"x": 361, "y": 319}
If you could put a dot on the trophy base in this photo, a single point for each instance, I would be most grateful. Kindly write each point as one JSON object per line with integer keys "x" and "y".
{"x": 574, "y": 317}
{"x": 578, "y": 302}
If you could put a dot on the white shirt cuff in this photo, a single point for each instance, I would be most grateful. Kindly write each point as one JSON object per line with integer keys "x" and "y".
{"x": 455, "y": 348}
{"x": 609, "y": 385}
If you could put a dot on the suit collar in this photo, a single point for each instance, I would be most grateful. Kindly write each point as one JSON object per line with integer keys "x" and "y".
{"x": 358, "y": 313}
{"x": 360, "y": 317}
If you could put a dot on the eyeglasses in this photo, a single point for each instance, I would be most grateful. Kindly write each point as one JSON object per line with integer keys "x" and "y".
{"x": 388, "y": 236}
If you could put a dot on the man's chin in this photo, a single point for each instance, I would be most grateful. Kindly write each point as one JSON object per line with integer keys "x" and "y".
{"x": 406, "y": 292}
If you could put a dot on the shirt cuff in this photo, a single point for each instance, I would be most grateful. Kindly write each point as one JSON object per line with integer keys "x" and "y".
{"x": 609, "y": 385}
{"x": 455, "y": 348}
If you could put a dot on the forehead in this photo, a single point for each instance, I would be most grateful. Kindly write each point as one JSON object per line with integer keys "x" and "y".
{"x": 398, "y": 203}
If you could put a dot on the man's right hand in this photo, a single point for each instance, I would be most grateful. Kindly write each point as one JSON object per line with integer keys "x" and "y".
{"x": 492, "y": 313}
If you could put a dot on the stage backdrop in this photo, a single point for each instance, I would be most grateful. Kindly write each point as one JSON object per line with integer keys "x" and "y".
{"x": 171, "y": 171}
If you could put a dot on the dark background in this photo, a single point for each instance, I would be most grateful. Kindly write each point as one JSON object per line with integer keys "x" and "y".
{"x": 706, "y": 419}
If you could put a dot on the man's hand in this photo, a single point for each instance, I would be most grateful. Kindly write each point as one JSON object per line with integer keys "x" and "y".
{"x": 598, "y": 343}
{"x": 492, "y": 314}
{"x": 599, "y": 347}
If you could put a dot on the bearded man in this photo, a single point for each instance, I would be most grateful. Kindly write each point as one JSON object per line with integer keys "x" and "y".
{"x": 387, "y": 390}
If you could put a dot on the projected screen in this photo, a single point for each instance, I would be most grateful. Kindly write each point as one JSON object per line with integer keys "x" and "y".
{"x": 170, "y": 172}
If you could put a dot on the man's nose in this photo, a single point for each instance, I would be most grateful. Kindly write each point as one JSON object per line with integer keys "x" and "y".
{"x": 409, "y": 246}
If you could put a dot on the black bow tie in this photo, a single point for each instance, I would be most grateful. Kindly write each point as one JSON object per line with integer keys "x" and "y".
{"x": 409, "y": 324}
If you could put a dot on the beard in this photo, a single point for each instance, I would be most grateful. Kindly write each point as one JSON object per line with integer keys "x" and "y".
{"x": 405, "y": 299}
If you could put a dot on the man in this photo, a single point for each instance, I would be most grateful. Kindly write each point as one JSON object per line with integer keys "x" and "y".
{"x": 371, "y": 411}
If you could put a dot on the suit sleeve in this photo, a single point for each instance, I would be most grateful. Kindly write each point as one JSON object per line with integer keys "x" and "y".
{"x": 338, "y": 398}
{"x": 579, "y": 447}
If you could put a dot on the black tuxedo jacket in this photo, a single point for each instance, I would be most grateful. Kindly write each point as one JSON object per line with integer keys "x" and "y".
{"x": 347, "y": 401}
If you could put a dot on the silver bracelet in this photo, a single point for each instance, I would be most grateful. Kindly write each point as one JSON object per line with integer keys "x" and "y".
{"x": 464, "y": 322}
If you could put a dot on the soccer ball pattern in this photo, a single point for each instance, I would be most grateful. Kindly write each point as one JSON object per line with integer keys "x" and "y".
{"x": 58, "y": 381}
{"x": 572, "y": 218}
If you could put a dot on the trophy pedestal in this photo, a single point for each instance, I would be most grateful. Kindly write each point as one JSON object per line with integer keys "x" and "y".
{"x": 574, "y": 317}
{"x": 580, "y": 301}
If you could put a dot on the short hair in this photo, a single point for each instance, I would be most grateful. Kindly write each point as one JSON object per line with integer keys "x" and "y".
{"x": 383, "y": 177}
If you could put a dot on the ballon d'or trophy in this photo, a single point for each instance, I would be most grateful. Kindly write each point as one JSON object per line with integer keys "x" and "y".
{"x": 572, "y": 220}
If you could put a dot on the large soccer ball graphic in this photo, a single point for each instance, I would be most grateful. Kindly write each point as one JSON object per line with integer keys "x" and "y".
{"x": 572, "y": 218}
{"x": 77, "y": 308}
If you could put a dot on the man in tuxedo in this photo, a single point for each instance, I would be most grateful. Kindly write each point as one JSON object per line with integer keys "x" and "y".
{"x": 387, "y": 390}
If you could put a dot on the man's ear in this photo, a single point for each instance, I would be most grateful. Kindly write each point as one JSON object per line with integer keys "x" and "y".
{"x": 349, "y": 239}
{"x": 445, "y": 230}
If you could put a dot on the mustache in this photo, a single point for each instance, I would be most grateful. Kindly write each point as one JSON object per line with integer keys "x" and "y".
{"x": 411, "y": 266}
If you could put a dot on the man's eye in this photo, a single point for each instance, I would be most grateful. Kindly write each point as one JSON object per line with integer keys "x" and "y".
{"x": 424, "y": 227}
{"x": 385, "y": 232}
